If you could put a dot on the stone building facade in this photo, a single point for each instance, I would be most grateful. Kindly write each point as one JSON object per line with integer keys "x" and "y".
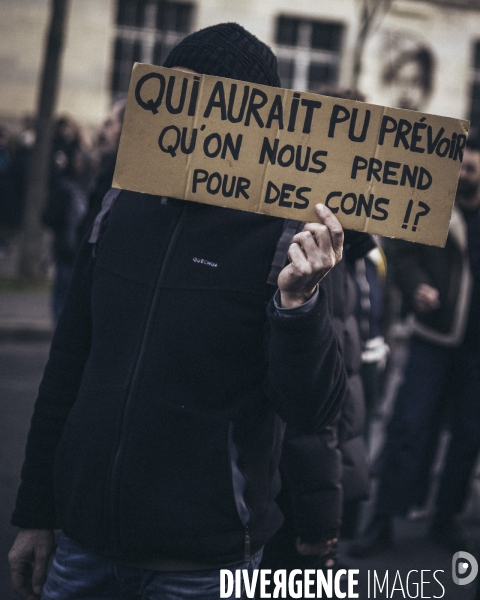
{"x": 423, "y": 54}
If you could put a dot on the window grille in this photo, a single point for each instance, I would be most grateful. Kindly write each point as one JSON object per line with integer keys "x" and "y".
{"x": 308, "y": 52}
{"x": 146, "y": 32}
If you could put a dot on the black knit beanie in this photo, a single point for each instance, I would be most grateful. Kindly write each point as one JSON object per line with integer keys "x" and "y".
{"x": 226, "y": 50}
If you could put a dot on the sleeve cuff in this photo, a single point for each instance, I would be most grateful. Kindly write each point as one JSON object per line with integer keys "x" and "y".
{"x": 304, "y": 308}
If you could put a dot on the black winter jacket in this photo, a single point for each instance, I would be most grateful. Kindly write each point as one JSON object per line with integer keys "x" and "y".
{"x": 324, "y": 469}
{"x": 167, "y": 376}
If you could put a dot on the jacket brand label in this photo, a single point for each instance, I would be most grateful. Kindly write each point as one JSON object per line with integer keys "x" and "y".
{"x": 202, "y": 261}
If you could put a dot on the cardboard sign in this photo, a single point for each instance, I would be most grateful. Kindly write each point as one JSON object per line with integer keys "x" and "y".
{"x": 269, "y": 150}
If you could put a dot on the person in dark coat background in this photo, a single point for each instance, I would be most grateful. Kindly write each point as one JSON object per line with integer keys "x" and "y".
{"x": 441, "y": 287}
{"x": 325, "y": 475}
{"x": 370, "y": 276}
{"x": 65, "y": 209}
{"x": 13, "y": 193}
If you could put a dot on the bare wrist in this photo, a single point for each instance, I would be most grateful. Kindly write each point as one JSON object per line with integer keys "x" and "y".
{"x": 291, "y": 300}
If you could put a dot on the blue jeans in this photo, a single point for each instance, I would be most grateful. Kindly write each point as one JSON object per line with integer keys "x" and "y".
{"x": 78, "y": 573}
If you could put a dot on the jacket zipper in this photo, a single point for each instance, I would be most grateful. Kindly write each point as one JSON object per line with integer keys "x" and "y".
{"x": 243, "y": 510}
{"x": 247, "y": 552}
{"x": 151, "y": 313}
{"x": 247, "y": 555}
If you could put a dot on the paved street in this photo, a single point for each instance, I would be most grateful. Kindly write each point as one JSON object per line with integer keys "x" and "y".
{"x": 21, "y": 366}
{"x": 413, "y": 552}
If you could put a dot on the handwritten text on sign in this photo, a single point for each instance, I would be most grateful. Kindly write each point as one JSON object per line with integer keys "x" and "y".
{"x": 269, "y": 150}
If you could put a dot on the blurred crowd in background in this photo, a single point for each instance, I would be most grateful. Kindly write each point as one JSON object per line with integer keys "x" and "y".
{"x": 81, "y": 172}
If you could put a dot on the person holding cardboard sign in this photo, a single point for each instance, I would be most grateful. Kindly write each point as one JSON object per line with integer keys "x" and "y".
{"x": 156, "y": 435}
